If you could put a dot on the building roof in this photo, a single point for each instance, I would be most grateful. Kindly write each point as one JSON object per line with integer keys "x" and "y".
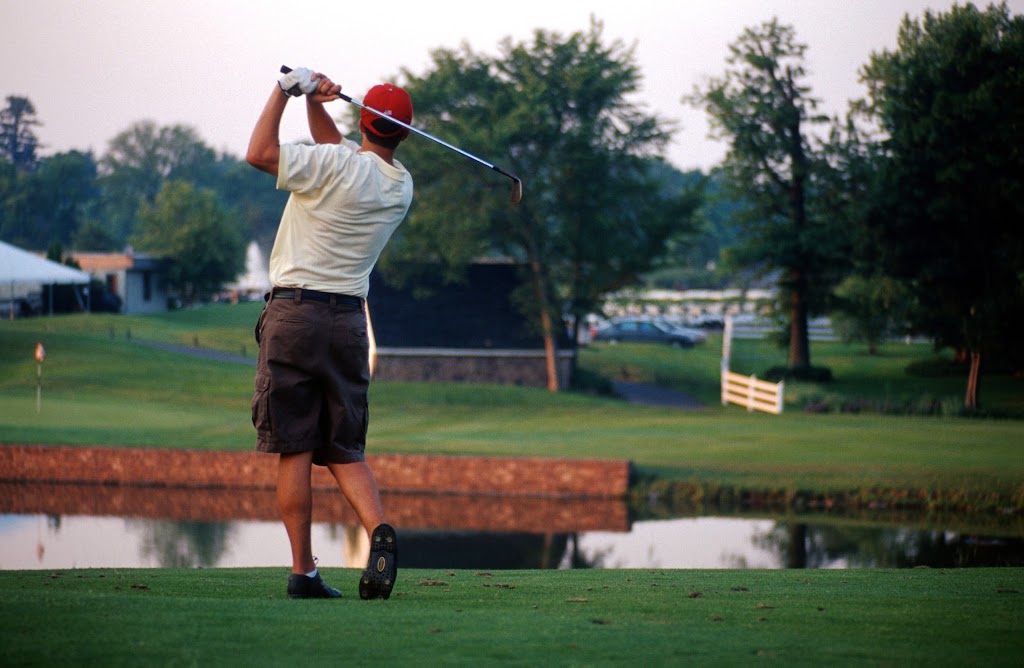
{"x": 104, "y": 262}
{"x": 476, "y": 313}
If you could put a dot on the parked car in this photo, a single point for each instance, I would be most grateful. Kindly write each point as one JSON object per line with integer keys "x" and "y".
{"x": 644, "y": 331}
{"x": 695, "y": 335}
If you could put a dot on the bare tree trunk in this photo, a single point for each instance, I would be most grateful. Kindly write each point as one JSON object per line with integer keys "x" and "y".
{"x": 971, "y": 398}
{"x": 799, "y": 345}
{"x": 548, "y": 331}
{"x": 540, "y": 293}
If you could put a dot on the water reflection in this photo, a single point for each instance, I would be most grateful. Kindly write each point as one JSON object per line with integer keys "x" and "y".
{"x": 72, "y": 541}
{"x": 95, "y": 526}
{"x": 186, "y": 544}
{"x": 828, "y": 546}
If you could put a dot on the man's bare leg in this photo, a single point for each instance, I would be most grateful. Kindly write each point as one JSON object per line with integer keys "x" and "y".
{"x": 359, "y": 486}
{"x": 295, "y": 501}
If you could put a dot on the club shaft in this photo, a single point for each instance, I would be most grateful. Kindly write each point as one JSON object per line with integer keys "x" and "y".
{"x": 285, "y": 70}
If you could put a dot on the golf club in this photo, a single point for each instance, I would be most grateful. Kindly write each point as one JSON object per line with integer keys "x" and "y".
{"x": 517, "y": 183}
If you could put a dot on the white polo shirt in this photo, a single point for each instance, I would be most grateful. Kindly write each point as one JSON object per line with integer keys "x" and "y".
{"x": 343, "y": 208}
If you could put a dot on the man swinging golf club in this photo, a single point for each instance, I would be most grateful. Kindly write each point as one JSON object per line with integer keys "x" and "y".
{"x": 310, "y": 404}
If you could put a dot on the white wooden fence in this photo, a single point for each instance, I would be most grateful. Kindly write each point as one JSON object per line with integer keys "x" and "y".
{"x": 756, "y": 395}
{"x": 748, "y": 391}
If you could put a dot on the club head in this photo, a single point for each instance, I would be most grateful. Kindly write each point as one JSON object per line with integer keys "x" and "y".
{"x": 517, "y": 191}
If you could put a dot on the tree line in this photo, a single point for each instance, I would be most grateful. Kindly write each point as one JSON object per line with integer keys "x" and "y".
{"x": 906, "y": 215}
{"x": 901, "y": 217}
{"x": 160, "y": 190}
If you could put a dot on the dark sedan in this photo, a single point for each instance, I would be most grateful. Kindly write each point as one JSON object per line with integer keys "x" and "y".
{"x": 644, "y": 331}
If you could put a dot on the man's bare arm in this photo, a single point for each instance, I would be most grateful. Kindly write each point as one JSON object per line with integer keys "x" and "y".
{"x": 321, "y": 125}
{"x": 264, "y": 144}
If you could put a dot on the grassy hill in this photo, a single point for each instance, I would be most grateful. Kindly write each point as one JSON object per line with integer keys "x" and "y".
{"x": 100, "y": 387}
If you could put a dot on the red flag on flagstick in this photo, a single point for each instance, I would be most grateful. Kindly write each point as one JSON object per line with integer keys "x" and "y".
{"x": 40, "y": 356}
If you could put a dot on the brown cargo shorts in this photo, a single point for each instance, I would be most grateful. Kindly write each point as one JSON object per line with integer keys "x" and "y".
{"x": 312, "y": 380}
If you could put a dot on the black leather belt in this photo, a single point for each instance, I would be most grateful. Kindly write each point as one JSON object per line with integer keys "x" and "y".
{"x": 301, "y": 294}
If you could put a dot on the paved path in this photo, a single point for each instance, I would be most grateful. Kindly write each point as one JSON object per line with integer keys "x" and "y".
{"x": 652, "y": 395}
{"x": 204, "y": 353}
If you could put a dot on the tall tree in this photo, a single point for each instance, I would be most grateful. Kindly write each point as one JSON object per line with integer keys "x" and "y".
{"x": 65, "y": 194}
{"x": 15, "y": 227}
{"x": 556, "y": 110}
{"x": 140, "y": 159}
{"x": 18, "y": 142}
{"x": 48, "y": 204}
{"x": 950, "y": 197}
{"x": 870, "y": 308}
{"x": 190, "y": 229}
{"x": 763, "y": 107}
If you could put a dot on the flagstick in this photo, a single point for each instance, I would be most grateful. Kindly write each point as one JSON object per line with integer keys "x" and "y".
{"x": 40, "y": 356}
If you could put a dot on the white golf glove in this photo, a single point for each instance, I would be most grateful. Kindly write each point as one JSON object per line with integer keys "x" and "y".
{"x": 297, "y": 82}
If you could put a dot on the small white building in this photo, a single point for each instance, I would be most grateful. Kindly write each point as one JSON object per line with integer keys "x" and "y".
{"x": 255, "y": 282}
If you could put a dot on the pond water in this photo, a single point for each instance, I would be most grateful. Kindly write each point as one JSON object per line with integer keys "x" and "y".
{"x": 98, "y": 531}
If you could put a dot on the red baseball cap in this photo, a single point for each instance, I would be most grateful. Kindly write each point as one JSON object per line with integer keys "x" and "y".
{"x": 392, "y": 101}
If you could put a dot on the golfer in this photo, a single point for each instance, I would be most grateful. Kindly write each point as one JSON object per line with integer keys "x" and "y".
{"x": 310, "y": 404}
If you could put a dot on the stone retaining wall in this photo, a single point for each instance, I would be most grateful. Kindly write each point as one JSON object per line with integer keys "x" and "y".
{"x": 528, "y": 476}
{"x": 502, "y": 367}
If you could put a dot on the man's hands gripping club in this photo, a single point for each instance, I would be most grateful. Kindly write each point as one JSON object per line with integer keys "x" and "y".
{"x": 304, "y": 81}
{"x": 264, "y": 145}
{"x": 319, "y": 89}
{"x": 300, "y": 81}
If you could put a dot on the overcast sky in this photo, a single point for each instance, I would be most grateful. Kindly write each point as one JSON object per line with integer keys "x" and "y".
{"x": 94, "y": 67}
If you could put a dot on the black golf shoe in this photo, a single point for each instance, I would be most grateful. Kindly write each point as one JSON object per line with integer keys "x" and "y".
{"x": 301, "y": 586}
{"x": 379, "y": 577}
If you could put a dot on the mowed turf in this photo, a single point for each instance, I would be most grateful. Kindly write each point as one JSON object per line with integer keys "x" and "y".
{"x": 464, "y": 617}
{"x": 102, "y": 388}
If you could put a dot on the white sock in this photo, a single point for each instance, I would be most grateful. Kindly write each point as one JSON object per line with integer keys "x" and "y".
{"x": 312, "y": 573}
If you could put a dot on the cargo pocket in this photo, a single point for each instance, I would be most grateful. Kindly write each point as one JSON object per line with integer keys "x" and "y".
{"x": 261, "y": 403}
{"x": 258, "y": 330}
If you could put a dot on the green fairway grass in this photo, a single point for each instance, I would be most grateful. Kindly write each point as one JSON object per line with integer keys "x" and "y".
{"x": 101, "y": 387}
{"x": 529, "y": 618}
{"x": 881, "y": 379}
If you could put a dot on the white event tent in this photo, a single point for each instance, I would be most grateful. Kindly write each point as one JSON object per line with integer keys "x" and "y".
{"x": 19, "y": 266}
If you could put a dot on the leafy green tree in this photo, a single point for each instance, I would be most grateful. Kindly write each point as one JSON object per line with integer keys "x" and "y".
{"x": 191, "y": 230}
{"x": 868, "y": 305}
{"x": 18, "y": 143}
{"x": 556, "y": 111}
{"x": 140, "y": 160}
{"x": 93, "y": 235}
{"x": 47, "y": 204}
{"x": 870, "y": 308}
{"x": 777, "y": 169}
{"x": 15, "y": 227}
{"x": 694, "y": 256}
{"x": 950, "y": 196}
{"x": 65, "y": 193}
